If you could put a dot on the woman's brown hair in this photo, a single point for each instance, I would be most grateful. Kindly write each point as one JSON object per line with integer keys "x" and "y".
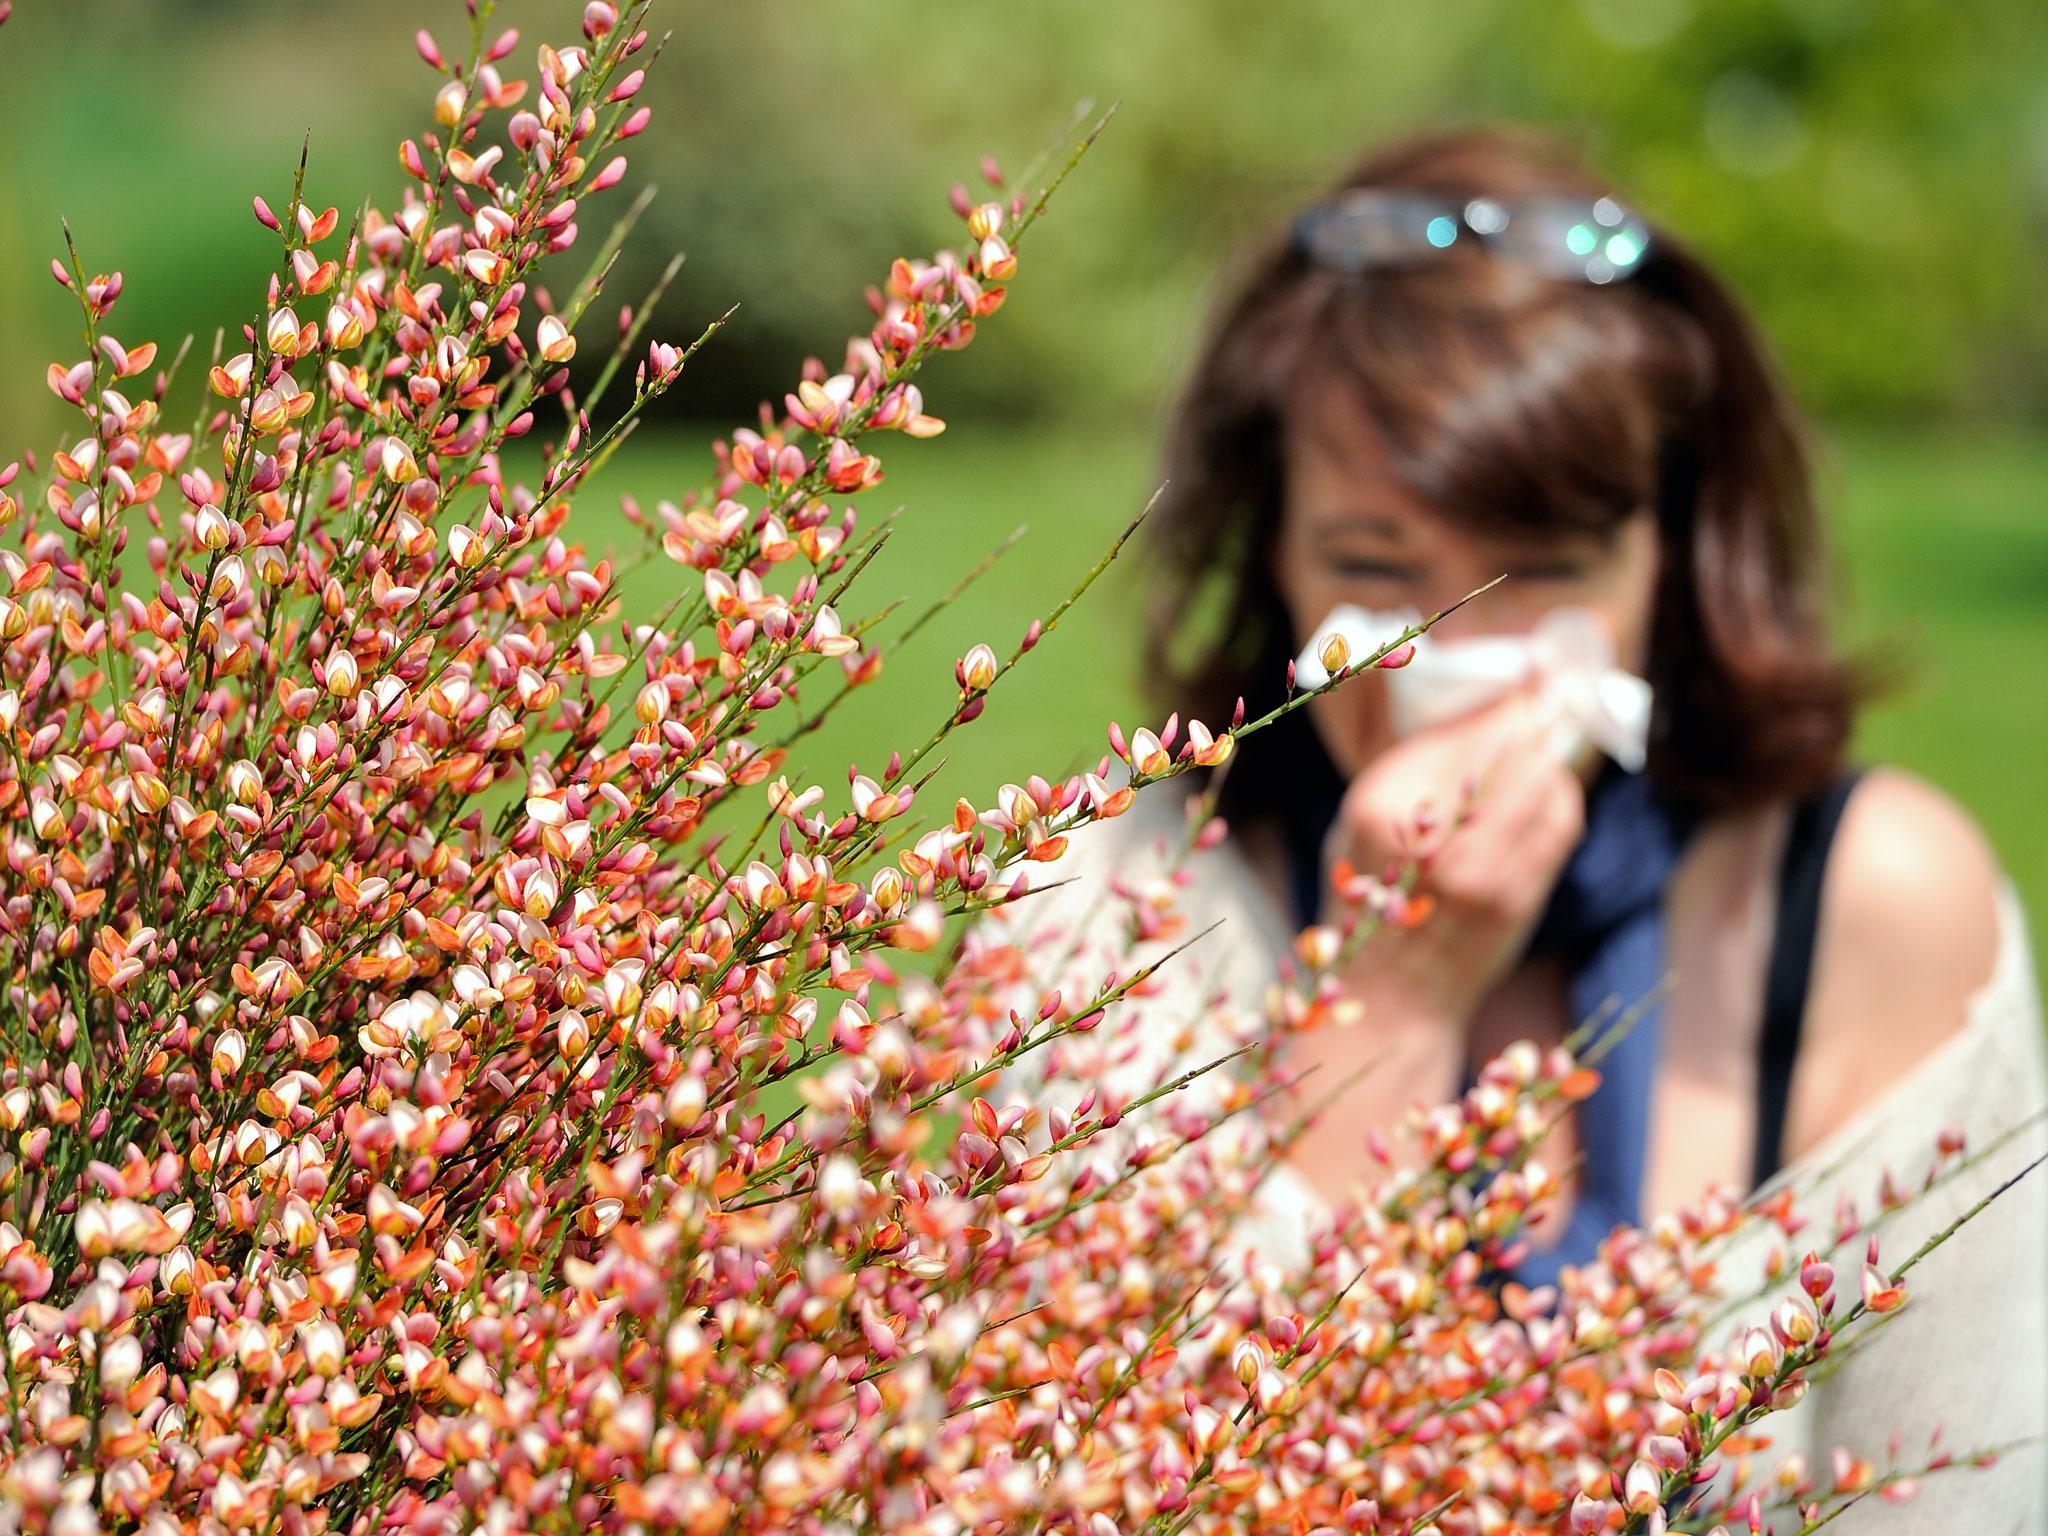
{"x": 1508, "y": 400}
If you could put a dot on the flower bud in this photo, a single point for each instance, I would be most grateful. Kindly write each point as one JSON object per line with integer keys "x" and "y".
{"x": 1335, "y": 654}
{"x": 450, "y": 102}
{"x": 650, "y": 707}
{"x": 211, "y": 528}
{"x": 487, "y": 267}
{"x": 998, "y": 261}
{"x": 1758, "y": 1352}
{"x": 984, "y": 220}
{"x": 685, "y": 1344}
{"x": 1148, "y": 755}
{"x": 1666, "y": 1452}
{"x": 1642, "y": 1489}
{"x": 344, "y": 677}
{"x": 397, "y": 462}
{"x": 554, "y": 342}
{"x": 1247, "y": 1360}
{"x": 978, "y": 669}
{"x": 244, "y": 782}
{"x": 1880, "y": 1294}
{"x": 345, "y": 327}
{"x": 92, "y": 1229}
{"x": 325, "y": 1348}
{"x": 1588, "y": 1515}
{"x": 466, "y": 547}
{"x": 1816, "y": 1277}
{"x": 121, "y": 1362}
{"x": 178, "y": 1272}
{"x": 841, "y": 1188}
{"x": 152, "y": 794}
{"x": 684, "y": 1102}
{"x": 282, "y": 332}
{"x": 922, "y": 927}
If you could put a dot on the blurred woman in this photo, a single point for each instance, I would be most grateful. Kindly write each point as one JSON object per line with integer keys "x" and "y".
{"x": 1473, "y": 358}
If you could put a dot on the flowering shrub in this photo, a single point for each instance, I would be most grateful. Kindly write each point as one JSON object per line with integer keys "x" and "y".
{"x": 402, "y": 950}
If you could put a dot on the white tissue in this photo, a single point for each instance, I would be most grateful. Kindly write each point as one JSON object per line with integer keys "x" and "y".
{"x": 1570, "y": 651}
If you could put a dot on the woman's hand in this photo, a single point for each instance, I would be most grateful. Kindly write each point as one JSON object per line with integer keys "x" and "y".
{"x": 1491, "y": 811}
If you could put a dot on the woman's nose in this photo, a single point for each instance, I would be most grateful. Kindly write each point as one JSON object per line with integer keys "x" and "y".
{"x": 1495, "y": 611}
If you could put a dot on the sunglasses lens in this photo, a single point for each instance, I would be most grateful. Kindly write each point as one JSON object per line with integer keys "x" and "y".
{"x": 1600, "y": 243}
{"x": 1485, "y": 216}
{"x": 1370, "y": 230}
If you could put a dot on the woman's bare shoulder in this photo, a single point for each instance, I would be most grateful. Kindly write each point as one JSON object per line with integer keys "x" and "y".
{"x": 1909, "y": 935}
{"x": 1912, "y": 887}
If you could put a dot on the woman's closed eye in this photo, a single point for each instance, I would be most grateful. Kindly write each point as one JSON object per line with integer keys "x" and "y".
{"x": 1549, "y": 569}
{"x": 1362, "y": 567}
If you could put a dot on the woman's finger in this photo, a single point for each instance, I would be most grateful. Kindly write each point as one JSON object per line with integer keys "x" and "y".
{"x": 1517, "y": 833}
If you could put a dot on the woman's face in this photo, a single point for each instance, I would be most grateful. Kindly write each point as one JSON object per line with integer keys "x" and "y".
{"x": 1350, "y": 533}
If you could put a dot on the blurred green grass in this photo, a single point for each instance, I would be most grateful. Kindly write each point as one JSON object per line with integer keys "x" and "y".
{"x": 1940, "y": 540}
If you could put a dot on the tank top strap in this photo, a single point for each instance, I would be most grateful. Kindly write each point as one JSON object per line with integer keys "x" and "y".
{"x": 1788, "y": 974}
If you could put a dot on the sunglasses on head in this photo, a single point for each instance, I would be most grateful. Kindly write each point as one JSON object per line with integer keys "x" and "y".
{"x": 1596, "y": 241}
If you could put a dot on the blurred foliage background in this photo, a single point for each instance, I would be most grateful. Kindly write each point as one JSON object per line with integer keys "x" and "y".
{"x": 1871, "y": 175}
